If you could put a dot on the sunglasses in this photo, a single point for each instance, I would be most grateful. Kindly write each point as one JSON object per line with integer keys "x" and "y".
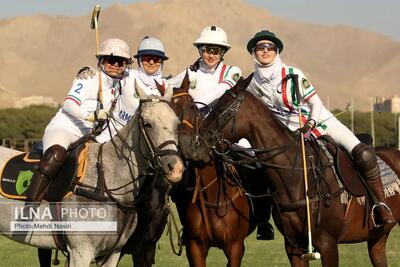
{"x": 269, "y": 46}
{"x": 213, "y": 50}
{"x": 120, "y": 61}
{"x": 148, "y": 58}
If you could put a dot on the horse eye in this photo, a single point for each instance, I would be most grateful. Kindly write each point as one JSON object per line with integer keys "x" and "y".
{"x": 147, "y": 125}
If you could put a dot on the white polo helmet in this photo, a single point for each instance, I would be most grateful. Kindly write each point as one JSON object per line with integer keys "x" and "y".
{"x": 114, "y": 47}
{"x": 212, "y": 35}
{"x": 151, "y": 46}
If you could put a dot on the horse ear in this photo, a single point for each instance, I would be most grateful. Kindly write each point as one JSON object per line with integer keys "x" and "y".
{"x": 247, "y": 81}
{"x": 242, "y": 84}
{"x": 168, "y": 93}
{"x": 160, "y": 88}
{"x": 139, "y": 91}
{"x": 185, "y": 83}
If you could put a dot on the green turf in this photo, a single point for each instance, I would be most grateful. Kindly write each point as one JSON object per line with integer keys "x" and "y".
{"x": 258, "y": 253}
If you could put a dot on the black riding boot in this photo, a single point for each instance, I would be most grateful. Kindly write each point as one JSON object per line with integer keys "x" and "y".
{"x": 47, "y": 170}
{"x": 366, "y": 162}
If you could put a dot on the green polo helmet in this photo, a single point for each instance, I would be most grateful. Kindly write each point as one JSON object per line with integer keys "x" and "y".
{"x": 264, "y": 35}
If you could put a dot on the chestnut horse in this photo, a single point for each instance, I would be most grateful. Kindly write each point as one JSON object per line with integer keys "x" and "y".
{"x": 238, "y": 114}
{"x": 211, "y": 201}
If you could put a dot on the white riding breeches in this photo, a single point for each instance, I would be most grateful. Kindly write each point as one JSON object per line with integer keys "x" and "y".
{"x": 343, "y": 136}
{"x": 338, "y": 132}
{"x": 54, "y": 135}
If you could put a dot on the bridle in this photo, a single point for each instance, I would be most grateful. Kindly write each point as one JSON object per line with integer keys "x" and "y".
{"x": 194, "y": 127}
{"x": 159, "y": 151}
{"x": 154, "y": 165}
{"x": 211, "y": 132}
{"x": 154, "y": 161}
{"x": 184, "y": 121}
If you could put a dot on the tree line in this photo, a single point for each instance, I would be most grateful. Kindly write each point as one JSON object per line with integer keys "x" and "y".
{"x": 30, "y": 122}
{"x": 25, "y": 123}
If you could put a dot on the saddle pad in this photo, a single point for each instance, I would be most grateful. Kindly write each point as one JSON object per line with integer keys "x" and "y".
{"x": 16, "y": 176}
{"x": 331, "y": 161}
{"x": 390, "y": 181}
{"x": 18, "y": 171}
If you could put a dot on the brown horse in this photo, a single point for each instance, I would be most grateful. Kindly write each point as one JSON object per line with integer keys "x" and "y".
{"x": 211, "y": 201}
{"x": 238, "y": 114}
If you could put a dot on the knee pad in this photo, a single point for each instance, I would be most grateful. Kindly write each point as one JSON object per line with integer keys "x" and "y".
{"x": 365, "y": 159}
{"x": 52, "y": 160}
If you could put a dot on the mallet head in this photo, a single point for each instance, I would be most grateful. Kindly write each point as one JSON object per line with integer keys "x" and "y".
{"x": 311, "y": 256}
{"x": 95, "y": 16}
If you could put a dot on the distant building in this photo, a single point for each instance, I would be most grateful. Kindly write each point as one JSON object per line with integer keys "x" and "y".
{"x": 388, "y": 105}
{"x": 35, "y": 101}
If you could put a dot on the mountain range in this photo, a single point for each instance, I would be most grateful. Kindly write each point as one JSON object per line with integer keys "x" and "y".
{"x": 41, "y": 54}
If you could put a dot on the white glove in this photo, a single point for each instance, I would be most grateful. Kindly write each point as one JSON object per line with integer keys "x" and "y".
{"x": 86, "y": 73}
{"x": 99, "y": 115}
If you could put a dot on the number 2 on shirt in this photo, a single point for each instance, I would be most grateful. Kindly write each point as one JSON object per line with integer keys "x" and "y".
{"x": 78, "y": 89}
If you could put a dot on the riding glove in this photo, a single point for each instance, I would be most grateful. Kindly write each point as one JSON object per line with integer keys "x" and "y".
{"x": 307, "y": 128}
{"x": 99, "y": 115}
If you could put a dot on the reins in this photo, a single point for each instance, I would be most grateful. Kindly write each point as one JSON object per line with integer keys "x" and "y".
{"x": 201, "y": 187}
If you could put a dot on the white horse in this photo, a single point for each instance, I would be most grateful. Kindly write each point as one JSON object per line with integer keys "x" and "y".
{"x": 148, "y": 141}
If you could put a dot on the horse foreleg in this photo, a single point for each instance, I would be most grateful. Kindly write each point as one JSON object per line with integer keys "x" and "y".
{"x": 80, "y": 257}
{"x": 44, "y": 255}
{"x": 196, "y": 253}
{"x": 377, "y": 251}
{"x": 328, "y": 248}
{"x": 146, "y": 257}
{"x": 234, "y": 253}
{"x": 112, "y": 260}
{"x": 294, "y": 256}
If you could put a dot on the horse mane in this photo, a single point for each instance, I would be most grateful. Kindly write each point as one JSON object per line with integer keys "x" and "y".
{"x": 237, "y": 93}
{"x": 221, "y": 104}
{"x": 257, "y": 104}
{"x": 125, "y": 130}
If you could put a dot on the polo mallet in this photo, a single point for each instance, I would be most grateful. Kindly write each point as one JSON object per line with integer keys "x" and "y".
{"x": 94, "y": 25}
{"x": 337, "y": 114}
{"x": 310, "y": 255}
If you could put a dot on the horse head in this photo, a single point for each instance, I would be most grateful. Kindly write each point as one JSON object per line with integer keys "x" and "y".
{"x": 191, "y": 119}
{"x": 159, "y": 125}
{"x": 225, "y": 109}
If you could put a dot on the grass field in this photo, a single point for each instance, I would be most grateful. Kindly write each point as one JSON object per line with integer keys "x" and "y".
{"x": 258, "y": 253}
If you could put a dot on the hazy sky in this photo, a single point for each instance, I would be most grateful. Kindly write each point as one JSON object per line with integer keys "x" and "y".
{"x": 373, "y": 15}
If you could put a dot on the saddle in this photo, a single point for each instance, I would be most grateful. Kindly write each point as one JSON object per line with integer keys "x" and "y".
{"x": 344, "y": 167}
{"x": 17, "y": 173}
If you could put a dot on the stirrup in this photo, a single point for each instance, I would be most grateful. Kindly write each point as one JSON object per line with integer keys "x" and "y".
{"x": 376, "y": 205}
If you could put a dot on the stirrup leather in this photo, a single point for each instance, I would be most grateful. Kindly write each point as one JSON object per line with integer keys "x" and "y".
{"x": 373, "y": 212}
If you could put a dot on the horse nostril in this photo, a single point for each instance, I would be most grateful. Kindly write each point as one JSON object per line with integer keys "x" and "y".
{"x": 170, "y": 166}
